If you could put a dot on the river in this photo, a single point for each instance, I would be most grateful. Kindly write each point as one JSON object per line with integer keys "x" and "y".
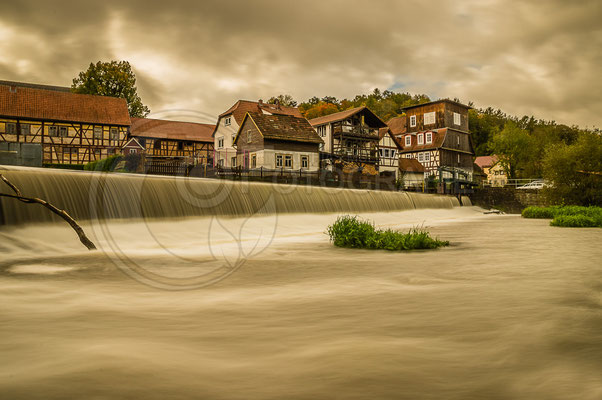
{"x": 511, "y": 310}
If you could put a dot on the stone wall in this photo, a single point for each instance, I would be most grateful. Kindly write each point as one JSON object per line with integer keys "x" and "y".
{"x": 507, "y": 199}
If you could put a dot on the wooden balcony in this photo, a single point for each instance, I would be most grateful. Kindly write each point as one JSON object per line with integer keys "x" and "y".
{"x": 355, "y": 131}
{"x": 356, "y": 154}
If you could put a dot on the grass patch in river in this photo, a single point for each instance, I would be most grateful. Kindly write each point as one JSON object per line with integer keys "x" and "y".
{"x": 567, "y": 216}
{"x": 350, "y": 231}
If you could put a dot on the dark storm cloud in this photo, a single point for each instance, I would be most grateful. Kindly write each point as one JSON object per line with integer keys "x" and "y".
{"x": 523, "y": 56}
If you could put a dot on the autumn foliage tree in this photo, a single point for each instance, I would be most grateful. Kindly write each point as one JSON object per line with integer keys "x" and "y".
{"x": 114, "y": 78}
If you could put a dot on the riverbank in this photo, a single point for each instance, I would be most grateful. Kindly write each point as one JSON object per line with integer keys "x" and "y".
{"x": 509, "y": 310}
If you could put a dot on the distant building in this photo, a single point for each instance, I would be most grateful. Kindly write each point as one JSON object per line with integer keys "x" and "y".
{"x": 164, "y": 139}
{"x": 492, "y": 168}
{"x": 229, "y": 122}
{"x": 350, "y": 136}
{"x": 388, "y": 151}
{"x": 277, "y": 141}
{"x": 436, "y": 134}
{"x": 412, "y": 173}
{"x": 59, "y": 126}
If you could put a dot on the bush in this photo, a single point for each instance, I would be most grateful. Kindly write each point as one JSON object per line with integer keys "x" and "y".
{"x": 576, "y": 221}
{"x": 104, "y": 165}
{"x": 349, "y": 231}
{"x": 538, "y": 212}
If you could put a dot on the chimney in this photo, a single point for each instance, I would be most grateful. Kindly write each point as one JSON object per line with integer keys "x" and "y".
{"x": 277, "y": 103}
{"x": 12, "y": 89}
{"x": 260, "y": 102}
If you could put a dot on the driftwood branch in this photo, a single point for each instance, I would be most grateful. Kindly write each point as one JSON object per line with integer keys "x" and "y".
{"x": 61, "y": 213}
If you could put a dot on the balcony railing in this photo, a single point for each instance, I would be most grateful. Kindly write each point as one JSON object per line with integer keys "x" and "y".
{"x": 356, "y": 131}
{"x": 356, "y": 154}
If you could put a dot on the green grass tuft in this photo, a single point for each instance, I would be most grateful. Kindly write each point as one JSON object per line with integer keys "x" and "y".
{"x": 350, "y": 231}
{"x": 567, "y": 216}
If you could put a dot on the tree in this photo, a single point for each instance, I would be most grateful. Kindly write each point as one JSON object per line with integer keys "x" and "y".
{"x": 514, "y": 148}
{"x": 114, "y": 78}
{"x": 574, "y": 171}
{"x": 284, "y": 99}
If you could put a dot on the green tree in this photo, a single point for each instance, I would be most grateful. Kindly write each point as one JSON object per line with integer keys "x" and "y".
{"x": 284, "y": 99}
{"x": 114, "y": 78}
{"x": 514, "y": 148}
{"x": 575, "y": 171}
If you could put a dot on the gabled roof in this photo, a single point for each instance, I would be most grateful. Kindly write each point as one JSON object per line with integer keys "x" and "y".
{"x": 282, "y": 127}
{"x": 174, "y": 130}
{"x": 342, "y": 115}
{"x": 438, "y": 101}
{"x": 241, "y": 107}
{"x": 132, "y": 142}
{"x": 397, "y": 125}
{"x": 486, "y": 161}
{"x": 42, "y": 104}
{"x": 411, "y": 165}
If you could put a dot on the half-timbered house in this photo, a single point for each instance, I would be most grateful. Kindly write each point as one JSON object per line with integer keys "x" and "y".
{"x": 388, "y": 152}
{"x": 229, "y": 122}
{"x": 164, "y": 140}
{"x": 437, "y": 135}
{"x": 350, "y": 136}
{"x": 67, "y": 128}
{"x": 277, "y": 141}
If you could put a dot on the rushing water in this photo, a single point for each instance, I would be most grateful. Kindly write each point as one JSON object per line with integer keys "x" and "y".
{"x": 264, "y": 307}
{"x": 511, "y": 310}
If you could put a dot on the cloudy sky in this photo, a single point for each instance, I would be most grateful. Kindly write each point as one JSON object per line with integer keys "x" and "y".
{"x": 195, "y": 58}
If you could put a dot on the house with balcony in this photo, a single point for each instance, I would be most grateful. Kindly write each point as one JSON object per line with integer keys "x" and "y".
{"x": 229, "y": 122}
{"x": 351, "y": 137}
{"x": 437, "y": 135}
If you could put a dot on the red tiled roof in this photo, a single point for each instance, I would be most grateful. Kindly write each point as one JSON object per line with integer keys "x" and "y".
{"x": 486, "y": 161}
{"x": 411, "y": 165}
{"x": 437, "y": 142}
{"x": 241, "y": 107}
{"x": 283, "y": 127}
{"x": 175, "y": 130}
{"x": 41, "y": 104}
{"x": 397, "y": 125}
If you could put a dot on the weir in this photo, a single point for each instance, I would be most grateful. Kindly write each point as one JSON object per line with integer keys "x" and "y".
{"x": 94, "y": 195}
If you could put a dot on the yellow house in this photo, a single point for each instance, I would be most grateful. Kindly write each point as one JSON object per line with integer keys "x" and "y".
{"x": 59, "y": 126}
{"x": 496, "y": 176}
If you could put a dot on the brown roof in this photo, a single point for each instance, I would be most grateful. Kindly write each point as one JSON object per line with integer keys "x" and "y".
{"x": 438, "y": 101}
{"x": 242, "y": 107}
{"x": 42, "y": 104}
{"x": 175, "y": 130}
{"x": 283, "y": 127}
{"x": 36, "y": 86}
{"x": 411, "y": 165}
{"x": 397, "y": 125}
{"x": 437, "y": 142}
{"x": 486, "y": 161}
{"x": 338, "y": 116}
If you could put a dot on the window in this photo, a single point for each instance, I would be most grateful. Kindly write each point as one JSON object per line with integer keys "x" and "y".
{"x": 52, "y": 131}
{"x": 458, "y": 158}
{"x": 322, "y": 130}
{"x": 220, "y": 142}
{"x": 233, "y": 162}
{"x": 114, "y": 134}
{"x": 429, "y": 118}
{"x": 74, "y": 152}
{"x": 25, "y": 129}
{"x": 458, "y": 140}
{"x": 420, "y": 138}
{"x": 321, "y": 146}
{"x": 408, "y": 140}
{"x": 304, "y": 162}
{"x": 98, "y": 132}
{"x": 220, "y": 162}
{"x": 11, "y": 128}
{"x": 502, "y": 172}
{"x": 233, "y": 138}
{"x": 421, "y": 157}
{"x": 278, "y": 160}
{"x": 132, "y": 151}
{"x": 180, "y": 146}
{"x": 392, "y": 153}
{"x": 457, "y": 119}
{"x": 249, "y": 136}
{"x": 254, "y": 161}
{"x": 413, "y": 121}
{"x": 429, "y": 137}
{"x": 157, "y": 145}
{"x": 288, "y": 161}
{"x": 427, "y": 156}
{"x": 227, "y": 121}
{"x": 63, "y": 131}
{"x": 386, "y": 153}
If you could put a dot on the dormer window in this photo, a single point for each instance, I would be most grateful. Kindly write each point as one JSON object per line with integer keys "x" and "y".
{"x": 408, "y": 140}
{"x": 429, "y": 118}
{"x": 429, "y": 137}
{"x": 420, "y": 138}
{"x": 413, "y": 121}
{"x": 227, "y": 121}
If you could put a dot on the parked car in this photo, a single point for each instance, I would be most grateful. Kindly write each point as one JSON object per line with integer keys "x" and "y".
{"x": 539, "y": 184}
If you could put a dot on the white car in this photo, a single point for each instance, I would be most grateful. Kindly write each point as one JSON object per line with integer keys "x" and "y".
{"x": 534, "y": 185}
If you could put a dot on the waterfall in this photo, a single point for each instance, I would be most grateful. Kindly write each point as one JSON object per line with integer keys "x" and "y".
{"x": 94, "y": 195}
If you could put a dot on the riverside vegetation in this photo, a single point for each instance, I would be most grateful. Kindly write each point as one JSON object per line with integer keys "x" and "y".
{"x": 567, "y": 216}
{"x": 350, "y": 231}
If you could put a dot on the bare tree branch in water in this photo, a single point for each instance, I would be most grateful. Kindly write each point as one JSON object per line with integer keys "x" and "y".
{"x": 61, "y": 213}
